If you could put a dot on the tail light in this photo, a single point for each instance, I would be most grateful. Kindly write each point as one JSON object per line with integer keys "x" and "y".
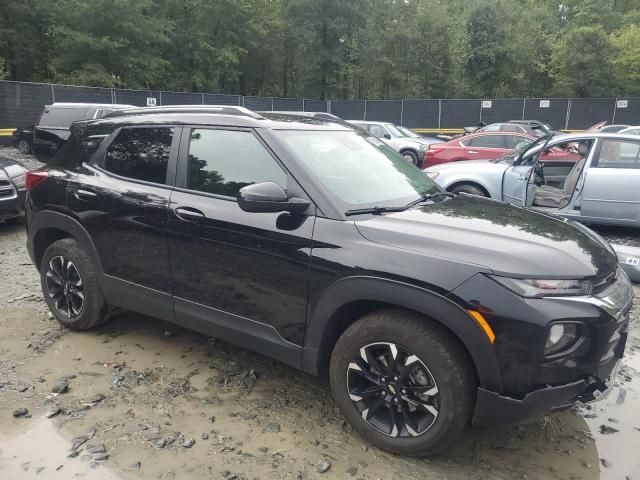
{"x": 35, "y": 178}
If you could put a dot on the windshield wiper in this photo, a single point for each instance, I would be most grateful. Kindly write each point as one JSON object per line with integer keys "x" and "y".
{"x": 377, "y": 210}
{"x": 374, "y": 210}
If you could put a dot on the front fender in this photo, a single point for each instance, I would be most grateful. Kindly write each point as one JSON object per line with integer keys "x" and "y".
{"x": 323, "y": 325}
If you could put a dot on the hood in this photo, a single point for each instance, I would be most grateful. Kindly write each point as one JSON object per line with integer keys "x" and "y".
{"x": 11, "y": 167}
{"x": 496, "y": 236}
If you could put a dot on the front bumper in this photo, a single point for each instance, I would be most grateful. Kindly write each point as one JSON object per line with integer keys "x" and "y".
{"x": 12, "y": 203}
{"x": 495, "y": 409}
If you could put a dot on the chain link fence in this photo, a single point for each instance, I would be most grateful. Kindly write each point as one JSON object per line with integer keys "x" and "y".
{"x": 21, "y": 103}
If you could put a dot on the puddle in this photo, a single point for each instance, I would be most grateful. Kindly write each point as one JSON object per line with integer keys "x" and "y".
{"x": 618, "y": 451}
{"x": 41, "y": 452}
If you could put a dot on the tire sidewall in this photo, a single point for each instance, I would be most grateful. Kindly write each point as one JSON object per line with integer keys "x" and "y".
{"x": 24, "y": 147}
{"x": 427, "y": 351}
{"x": 413, "y": 157}
{"x": 93, "y": 308}
{"x": 470, "y": 190}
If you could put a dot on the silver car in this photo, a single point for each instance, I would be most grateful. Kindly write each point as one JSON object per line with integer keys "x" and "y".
{"x": 412, "y": 148}
{"x": 602, "y": 186}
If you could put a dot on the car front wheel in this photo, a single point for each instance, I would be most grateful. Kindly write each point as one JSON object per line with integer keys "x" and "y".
{"x": 403, "y": 382}
{"x": 410, "y": 157}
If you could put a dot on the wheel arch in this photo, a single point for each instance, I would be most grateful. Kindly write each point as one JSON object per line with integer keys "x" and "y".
{"x": 46, "y": 227}
{"x": 350, "y": 298}
{"x": 471, "y": 183}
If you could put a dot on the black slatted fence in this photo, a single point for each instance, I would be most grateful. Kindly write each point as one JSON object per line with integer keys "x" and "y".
{"x": 21, "y": 103}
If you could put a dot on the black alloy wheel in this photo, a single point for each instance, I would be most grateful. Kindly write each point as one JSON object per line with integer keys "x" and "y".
{"x": 393, "y": 390}
{"x": 64, "y": 286}
{"x": 24, "y": 147}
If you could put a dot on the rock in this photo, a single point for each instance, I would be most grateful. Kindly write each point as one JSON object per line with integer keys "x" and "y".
{"x": 77, "y": 442}
{"x": 95, "y": 449}
{"x": 608, "y": 430}
{"x": 101, "y": 456}
{"x": 212, "y": 418}
{"x": 166, "y": 441}
{"x": 205, "y": 436}
{"x": 98, "y": 398}
{"x": 73, "y": 454}
{"x": 61, "y": 387}
{"x": 23, "y": 388}
{"x": 323, "y": 466}
{"x": 351, "y": 471}
{"x": 272, "y": 427}
{"x": 21, "y": 412}
{"x": 134, "y": 467}
{"x": 55, "y": 412}
{"x": 605, "y": 463}
{"x": 188, "y": 443}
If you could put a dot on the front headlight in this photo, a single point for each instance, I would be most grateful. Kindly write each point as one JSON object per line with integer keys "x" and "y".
{"x": 423, "y": 148}
{"x": 432, "y": 175}
{"x": 537, "y": 288}
{"x": 19, "y": 181}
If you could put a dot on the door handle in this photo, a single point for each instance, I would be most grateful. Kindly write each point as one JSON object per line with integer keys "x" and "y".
{"x": 189, "y": 214}
{"x": 473, "y": 151}
{"x": 84, "y": 194}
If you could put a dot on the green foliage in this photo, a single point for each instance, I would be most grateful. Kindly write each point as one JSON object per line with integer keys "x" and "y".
{"x": 329, "y": 48}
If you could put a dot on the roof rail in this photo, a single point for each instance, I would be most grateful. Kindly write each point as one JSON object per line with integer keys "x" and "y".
{"x": 218, "y": 109}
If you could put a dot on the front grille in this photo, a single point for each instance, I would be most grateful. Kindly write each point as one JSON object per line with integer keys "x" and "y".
{"x": 6, "y": 189}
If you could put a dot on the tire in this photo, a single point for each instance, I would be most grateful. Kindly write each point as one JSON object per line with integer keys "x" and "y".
{"x": 410, "y": 156}
{"x": 24, "y": 147}
{"x": 470, "y": 189}
{"x": 79, "y": 313}
{"x": 436, "y": 349}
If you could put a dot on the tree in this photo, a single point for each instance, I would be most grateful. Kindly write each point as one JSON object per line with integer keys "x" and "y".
{"x": 580, "y": 62}
{"x": 626, "y": 64}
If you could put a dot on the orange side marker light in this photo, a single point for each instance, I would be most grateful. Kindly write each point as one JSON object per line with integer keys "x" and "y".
{"x": 484, "y": 325}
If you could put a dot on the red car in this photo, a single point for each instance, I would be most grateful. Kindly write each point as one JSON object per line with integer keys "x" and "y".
{"x": 483, "y": 146}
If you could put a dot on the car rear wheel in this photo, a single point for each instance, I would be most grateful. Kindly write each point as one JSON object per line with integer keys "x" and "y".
{"x": 403, "y": 382}
{"x": 24, "y": 147}
{"x": 470, "y": 189}
{"x": 410, "y": 156}
{"x": 70, "y": 286}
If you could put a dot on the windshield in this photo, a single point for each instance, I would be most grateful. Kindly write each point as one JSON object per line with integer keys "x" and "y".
{"x": 393, "y": 130}
{"x": 359, "y": 171}
{"x": 407, "y": 132}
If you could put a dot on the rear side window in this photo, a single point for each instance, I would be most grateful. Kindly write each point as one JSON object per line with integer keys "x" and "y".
{"x": 618, "y": 154}
{"x": 487, "y": 141}
{"x": 62, "y": 117}
{"x": 140, "y": 154}
{"x": 78, "y": 149}
{"x": 224, "y": 161}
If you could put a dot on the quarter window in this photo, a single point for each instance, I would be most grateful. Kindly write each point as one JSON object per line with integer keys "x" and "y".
{"x": 223, "y": 161}
{"x": 140, "y": 154}
{"x": 618, "y": 154}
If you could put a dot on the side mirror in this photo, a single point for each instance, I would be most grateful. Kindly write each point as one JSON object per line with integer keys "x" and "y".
{"x": 269, "y": 197}
{"x": 387, "y": 136}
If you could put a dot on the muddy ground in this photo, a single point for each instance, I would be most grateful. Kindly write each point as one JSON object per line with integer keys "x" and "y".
{"x": 146, "y": 400}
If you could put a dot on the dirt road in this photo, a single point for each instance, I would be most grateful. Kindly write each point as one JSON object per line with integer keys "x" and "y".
{"x": 142, "y": 399}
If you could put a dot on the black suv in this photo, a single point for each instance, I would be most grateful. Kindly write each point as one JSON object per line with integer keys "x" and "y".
{"x": 315, "y": 244}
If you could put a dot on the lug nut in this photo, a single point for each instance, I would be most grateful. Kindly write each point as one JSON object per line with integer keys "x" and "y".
{"x": 404, "y": 391}
{"x": 383, "y": 379}
{"x": 395, "y": 378}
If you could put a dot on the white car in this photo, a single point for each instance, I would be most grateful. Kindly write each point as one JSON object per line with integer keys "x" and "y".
{"x": 411, "y": 147}
{"x": 602, "y": 186}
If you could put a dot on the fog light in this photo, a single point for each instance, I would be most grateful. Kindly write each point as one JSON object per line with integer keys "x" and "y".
{"x": 561, "y": 337}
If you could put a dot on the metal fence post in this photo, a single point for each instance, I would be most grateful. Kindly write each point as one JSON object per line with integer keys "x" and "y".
{"x": 160, "y": 97}
{"x": 328, "y": 106}
{"x": 53, "y": 94}
{"x": 272, "y": 104}
{"x": 401, "y": 112}
{"x": 566, "y": 123}
{"x": 202, "y": 97}
{"x": 615, "y": 107}
{"x": 439, "y": 113}
{"x": 481, "y": 109}
{"x": 303, "y": 105}
{"x": 524, "y": 107}
{"x": 365, "y": 110}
